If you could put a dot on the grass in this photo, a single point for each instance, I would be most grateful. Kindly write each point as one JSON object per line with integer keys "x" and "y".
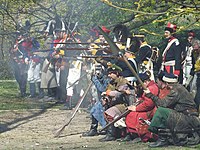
{"x": 9, "y": 89}
{"x": 10, "y": 99}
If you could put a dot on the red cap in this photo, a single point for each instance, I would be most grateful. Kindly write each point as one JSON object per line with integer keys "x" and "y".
{"x": 105, "y": 29}
{"x": 170, "y": 27}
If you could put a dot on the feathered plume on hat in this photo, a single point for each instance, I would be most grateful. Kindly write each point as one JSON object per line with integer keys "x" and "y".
{"x": 59, "y": 25}
{"x": 105, "y": 29}
{"x": 49, "y": 27}
{"x": 170, "y": 27}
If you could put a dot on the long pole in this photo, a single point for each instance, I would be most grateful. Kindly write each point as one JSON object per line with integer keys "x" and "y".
{"x": 116, "y": 50}
{"x": 58, "y": 132}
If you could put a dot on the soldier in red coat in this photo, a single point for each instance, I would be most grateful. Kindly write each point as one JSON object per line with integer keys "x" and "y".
{"x": 137, "y": 129}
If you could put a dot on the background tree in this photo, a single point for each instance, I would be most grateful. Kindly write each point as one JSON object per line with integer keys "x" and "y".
{"x": 143, "y": 16}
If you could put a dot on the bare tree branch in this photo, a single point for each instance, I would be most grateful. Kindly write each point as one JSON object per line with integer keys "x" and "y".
{"x": 194, "y": 5}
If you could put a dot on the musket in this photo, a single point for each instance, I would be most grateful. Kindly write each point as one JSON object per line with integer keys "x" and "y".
{"x": 75, "y": 110}
{"x": 77, "y": 80}
{"x": 69, "y": 49}
{"x": 124, "y": 114}
{"x": 115, "y": 120}
{"x": 82, "y": 43}
{"x": 168, "y": 131}
{"x": 116, "y": 51}
{"x": 100, "y": 56}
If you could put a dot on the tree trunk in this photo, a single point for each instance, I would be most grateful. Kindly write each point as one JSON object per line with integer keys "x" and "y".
{"x": 2, "y": 40}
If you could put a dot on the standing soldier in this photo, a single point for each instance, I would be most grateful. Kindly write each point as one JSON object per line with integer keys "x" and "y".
{"x": 122, "y": 37}
{"x": 53, "y": 63}
{"x": 195, "y": 71}
{"x": 171, "y": 55}
{"x": 33, "y": 61}
{"x": 143, "y": 56}
{"x": 187, "y": 56}
{"x": 48, "y": 76}
{"x": 18, "y": 55}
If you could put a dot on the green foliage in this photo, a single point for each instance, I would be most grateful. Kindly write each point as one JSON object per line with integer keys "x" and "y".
{"x": 150, "y": 17}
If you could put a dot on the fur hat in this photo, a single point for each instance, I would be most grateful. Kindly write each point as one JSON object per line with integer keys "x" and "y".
{"x": 170, "y": 27}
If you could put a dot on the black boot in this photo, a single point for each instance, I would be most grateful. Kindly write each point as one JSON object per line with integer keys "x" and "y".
{"x": 110, "y": 136}
{"x": 41, "y": 91}
{"x": 93, "y": 128}
{"x": 92, "y": 132}
{"x": 159, "y": 143}
{"x": 129, "y": 137}
{"x": 126, "y": 138}
{"x": 23, "y": 90}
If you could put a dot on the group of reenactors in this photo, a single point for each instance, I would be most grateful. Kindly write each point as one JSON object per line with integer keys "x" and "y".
{"x": 164, "y": 110}
{"x": 162, "y": 100}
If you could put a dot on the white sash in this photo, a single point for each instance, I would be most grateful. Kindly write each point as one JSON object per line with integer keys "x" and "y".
{"x": 168, "y": 46}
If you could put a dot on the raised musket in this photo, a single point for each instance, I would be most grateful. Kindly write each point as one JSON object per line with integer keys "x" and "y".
{"x": 82, "y": 43}
{"x": 99, "y": 56}
{"x": 116, "y": 51}
{"x": 69, "y": 49}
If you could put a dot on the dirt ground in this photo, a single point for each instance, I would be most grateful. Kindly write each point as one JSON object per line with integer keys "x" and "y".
{"x": 34, "y": 129}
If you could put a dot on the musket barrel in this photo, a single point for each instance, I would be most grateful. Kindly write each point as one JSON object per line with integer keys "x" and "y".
{"x": 84, "y": 43}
